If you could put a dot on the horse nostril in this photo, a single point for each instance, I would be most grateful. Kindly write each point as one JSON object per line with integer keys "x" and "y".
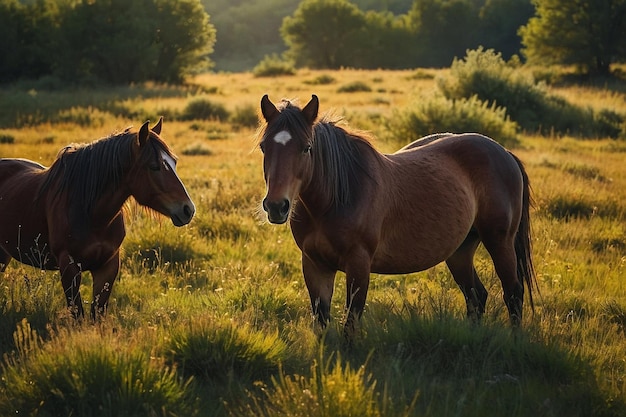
{"x": 188, "y": 211}
{"x": 277, "y": 207}
{"x": 284, "y": 209}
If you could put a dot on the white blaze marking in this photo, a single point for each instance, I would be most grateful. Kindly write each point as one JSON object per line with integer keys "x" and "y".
{"x": 169, "y": 162}
{"x": 282, "y": 137}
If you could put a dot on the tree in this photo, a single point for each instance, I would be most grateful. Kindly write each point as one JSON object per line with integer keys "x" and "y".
{"x": 590, "y": 34}
{"x": 25, "y": 31}
{"x": 12, "y": 19}
{"x": 104, "y": 40}
{"x": 247, "y": 31}
{"x": 389, "y": 42}
{"x": 111, "y": 41}
{"x": 500, "y": 21}
{"x": 321, "y": 33}
{"x": 445, "y": 29}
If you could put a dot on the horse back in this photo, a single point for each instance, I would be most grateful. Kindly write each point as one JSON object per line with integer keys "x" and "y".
{"x": 436, "y": 191}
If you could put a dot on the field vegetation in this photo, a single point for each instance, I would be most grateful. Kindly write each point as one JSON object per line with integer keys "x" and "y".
{"x": 214, "y": 320}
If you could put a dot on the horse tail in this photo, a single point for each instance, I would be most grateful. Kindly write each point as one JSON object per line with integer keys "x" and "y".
{"x": 523, "y": 241}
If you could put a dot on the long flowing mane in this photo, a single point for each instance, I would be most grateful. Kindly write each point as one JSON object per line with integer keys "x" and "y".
{"x": 341, "y": 157}
{"x": 84, "y": 172}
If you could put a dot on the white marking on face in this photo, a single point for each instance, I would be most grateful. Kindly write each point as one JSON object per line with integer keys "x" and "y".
{"x": 282, "y": 137}
{"x": 168, "y": 161}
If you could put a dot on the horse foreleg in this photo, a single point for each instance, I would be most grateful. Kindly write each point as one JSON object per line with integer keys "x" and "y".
{"x": 5, "y": 258}
{"x": 357, "y": 280}
{"x": 70, "y": 279}
{"x": 103, "y": 280}
{"x": 320, "y": 281}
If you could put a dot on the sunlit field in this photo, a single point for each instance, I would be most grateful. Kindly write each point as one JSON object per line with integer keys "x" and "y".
{"x": 213, "y": 319}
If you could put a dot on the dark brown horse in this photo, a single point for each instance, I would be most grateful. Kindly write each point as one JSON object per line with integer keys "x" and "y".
{"x": 70, "y": 217}
{"x": 356, "y": 210}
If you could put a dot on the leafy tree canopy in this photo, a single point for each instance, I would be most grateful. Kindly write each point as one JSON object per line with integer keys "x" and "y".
{"x": 111, "y": 41}
{"x": 590, "y": 34}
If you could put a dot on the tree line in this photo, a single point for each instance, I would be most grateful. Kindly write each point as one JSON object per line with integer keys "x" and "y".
{"x": 115, "y": 41}
{"x": 125, "y": 41}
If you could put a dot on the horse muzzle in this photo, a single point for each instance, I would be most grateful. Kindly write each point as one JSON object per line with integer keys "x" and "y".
{"x": 277, "y": 211}
{"x": 183, "y": 214}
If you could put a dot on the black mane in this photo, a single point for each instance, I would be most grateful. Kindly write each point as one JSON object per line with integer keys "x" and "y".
{"x": 84, "y": 173}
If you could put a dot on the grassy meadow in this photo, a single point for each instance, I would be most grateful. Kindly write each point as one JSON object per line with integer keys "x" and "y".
{"x": 213, "y": 319}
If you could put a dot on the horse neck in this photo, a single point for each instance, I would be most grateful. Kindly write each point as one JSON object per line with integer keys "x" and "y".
{"x": 109, "y": 204}
{"x": 101, "y": 190}
{"x": 340, "y": 165}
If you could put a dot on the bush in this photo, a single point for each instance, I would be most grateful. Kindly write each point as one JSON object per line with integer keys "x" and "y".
{"x": 7, "y": 138}
{"x": 197, "y": 149}
{"x": 486, "y": 75}
{"x": 333, "y": 390}
{"x": 457, "y": 116}
{"x": 323, "y": 79}
{"x": 204, "y": 109}
{"x": 87, "y": 376}
{"x": 569, "y": 207}
{"x": 220, "y": 350}
{"x": 273, "y": 66}
{"x": 354, "y": 87}
{"x": 84, "y": 116}
{"x": 245, "y": 116}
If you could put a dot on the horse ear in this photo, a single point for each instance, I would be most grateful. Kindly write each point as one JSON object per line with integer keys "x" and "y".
{"x": 310, "y": 110}
{"x": 268, "y": 109}
{"x": 143, "y": 133}
{"x": 157, "y": 127}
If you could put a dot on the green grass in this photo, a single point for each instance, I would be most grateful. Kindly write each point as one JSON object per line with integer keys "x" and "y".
{"x": 214, "y": 319}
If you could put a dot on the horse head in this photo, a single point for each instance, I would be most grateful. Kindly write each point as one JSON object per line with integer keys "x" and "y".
{"x": 154, "y": 181}
{"x": 286, "y": 144}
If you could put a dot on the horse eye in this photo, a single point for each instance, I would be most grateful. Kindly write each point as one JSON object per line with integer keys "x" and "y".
{"x": 307, "y": 149}
{"x": 154, "y": 167}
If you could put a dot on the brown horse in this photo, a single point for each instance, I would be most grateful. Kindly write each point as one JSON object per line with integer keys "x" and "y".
{"x": 356, "y": 210}
{"x": 70, "y": 217}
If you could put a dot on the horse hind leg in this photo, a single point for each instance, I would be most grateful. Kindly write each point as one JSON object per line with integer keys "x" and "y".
{"x": 502, "y": 253}
{"x": 461, "y": 265}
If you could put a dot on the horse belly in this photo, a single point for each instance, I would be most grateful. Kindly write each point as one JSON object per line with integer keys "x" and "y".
{"x": 23, "y": 225}
{"x": 26, "y": 240}
{"x": 413, "y": 253}
{"x": 425, "y": 230}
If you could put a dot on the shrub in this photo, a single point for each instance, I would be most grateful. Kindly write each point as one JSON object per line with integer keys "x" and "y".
{"x": 335, "y": 390}
{"x": 486, "y": 75}
{"x": 7, "y": 138}
{"x": 245, "y": 116}
{"x": 354, "y": 87}
{"x": 273, "y": 66}
{"x": 204, "y": 109}
{"x": 219, "y": 350}
{"x": 84, "y": 116}
{"x": 197, "y": 149}
{"x": 323, "y": 79}
{"x": 568, "y": 207}
{"x": 584, "y": 171}
{"x": 84, "y": 375}
{"x": 457, "y": 116}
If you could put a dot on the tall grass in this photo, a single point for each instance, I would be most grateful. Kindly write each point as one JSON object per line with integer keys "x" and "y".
{"x": 214, "y": 319}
